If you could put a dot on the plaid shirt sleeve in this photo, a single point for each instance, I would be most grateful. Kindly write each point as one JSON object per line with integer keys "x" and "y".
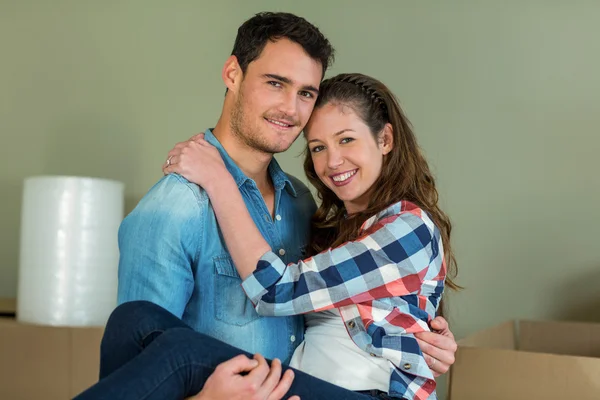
{"x": 392, "y": 258}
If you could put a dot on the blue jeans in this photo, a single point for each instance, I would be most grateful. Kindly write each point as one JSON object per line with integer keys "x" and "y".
{"x": 148, "y": 353}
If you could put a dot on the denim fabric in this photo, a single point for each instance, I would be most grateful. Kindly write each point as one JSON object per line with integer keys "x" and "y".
{"x": 173, "y": 254}
{"x": 148, "y": 353}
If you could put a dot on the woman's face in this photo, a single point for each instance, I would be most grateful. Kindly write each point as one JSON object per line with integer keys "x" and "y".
{"x": 346, "y": 156}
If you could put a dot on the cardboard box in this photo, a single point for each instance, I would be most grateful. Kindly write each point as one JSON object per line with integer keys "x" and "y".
{"x": 7, "y": 307}
{"x": 521, "y": 360}
{"x": 43, "y": 362}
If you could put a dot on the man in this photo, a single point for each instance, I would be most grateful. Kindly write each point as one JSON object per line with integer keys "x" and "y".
{"x": 172, "y": 252}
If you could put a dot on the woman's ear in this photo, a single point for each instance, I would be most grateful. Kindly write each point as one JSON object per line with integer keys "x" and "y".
{"x": 232, "y": 73}
{"x": 386, "y": 139}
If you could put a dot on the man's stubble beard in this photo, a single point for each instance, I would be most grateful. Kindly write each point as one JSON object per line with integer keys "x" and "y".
{"x": 251, "y": 136}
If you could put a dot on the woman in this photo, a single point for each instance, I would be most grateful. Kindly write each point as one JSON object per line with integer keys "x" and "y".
{"x": 380, "y": 252}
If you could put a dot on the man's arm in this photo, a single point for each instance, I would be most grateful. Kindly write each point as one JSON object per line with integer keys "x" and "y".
{"x": 159, "y": 242}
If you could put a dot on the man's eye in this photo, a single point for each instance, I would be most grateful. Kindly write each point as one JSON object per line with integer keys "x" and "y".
{"x": 306, "y": 94}
{"x": 274, "y": 83}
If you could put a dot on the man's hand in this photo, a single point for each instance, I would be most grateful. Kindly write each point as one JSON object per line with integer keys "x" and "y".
{"x": 260, "y": 383}
{"x": 438, "y": 346}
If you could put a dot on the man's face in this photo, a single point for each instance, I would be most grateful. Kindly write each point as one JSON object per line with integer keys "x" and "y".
{"x": 276, "y": 97}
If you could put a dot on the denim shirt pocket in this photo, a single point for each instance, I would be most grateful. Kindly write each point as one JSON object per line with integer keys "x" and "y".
{"x": 232, "y": 306}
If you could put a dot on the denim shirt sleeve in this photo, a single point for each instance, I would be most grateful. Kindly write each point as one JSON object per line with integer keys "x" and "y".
{"x": 159, "y": 242}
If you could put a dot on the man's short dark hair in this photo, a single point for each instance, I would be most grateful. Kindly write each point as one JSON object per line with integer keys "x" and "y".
{"x": 254, "y": 34}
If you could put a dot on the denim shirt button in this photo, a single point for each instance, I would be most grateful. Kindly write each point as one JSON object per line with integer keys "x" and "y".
{"x": 292, "y": 338}
{"x": 183, "y": 224}
{"x": 278, "y": 217}
{"x": 281, "y": 252}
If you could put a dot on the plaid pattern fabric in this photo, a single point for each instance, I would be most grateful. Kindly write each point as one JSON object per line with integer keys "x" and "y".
{"x": 387, "y": 285}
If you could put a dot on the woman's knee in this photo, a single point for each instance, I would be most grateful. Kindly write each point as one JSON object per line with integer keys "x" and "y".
{"x": 131, "y": 313}
{"x": 131, "y": 319}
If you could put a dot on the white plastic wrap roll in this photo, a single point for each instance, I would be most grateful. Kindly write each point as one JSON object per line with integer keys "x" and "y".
{"x": 69, "y": 251}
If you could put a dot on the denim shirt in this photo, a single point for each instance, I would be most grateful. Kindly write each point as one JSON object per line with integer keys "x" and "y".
{"x": 172, "y": 253}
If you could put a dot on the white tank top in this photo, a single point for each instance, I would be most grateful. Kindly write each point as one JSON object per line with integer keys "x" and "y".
{"x": 328, "y": 353}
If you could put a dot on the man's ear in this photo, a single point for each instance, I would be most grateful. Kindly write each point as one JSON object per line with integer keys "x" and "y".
{"x": 232, "y": 74}
{"x": 386, "y": 139}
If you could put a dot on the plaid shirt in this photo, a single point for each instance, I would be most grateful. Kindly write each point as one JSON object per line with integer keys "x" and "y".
{"x": 386, "y": 284}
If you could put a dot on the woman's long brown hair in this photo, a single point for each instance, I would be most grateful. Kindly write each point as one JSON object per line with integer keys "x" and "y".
{"x": 405, "y": 174}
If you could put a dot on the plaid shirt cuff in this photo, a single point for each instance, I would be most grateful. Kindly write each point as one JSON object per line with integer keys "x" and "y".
{"x": 269, "y": 271}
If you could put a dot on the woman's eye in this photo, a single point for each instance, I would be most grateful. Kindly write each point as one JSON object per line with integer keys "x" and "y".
{"x": 346, "y": 140}
{"x": 317, "y": 149}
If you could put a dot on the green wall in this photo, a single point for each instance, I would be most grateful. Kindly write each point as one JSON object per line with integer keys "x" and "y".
{"x": 504, "y": 96}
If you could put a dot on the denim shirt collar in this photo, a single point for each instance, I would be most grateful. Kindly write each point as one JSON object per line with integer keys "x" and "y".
{"x": 280, "y": 178}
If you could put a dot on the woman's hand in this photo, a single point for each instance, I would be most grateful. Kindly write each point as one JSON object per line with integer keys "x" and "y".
{"x": 197, "y": 161}
{"x": 201, "y": 163}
